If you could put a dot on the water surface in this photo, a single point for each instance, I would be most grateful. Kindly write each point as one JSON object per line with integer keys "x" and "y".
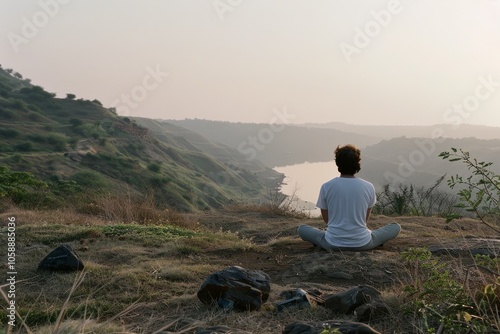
{"x": 304, "y": 180}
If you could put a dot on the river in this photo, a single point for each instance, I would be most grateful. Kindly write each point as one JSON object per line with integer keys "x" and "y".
{"x": 303, "y": 181}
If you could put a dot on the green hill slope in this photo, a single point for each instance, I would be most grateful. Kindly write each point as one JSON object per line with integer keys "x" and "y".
{"x": 84, "y": 151}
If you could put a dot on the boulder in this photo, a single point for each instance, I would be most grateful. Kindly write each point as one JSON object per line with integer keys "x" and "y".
{"x": 375, "y": 309}
{"x": 363, "y": 301}
{"x": 63, "y": 258}
{"x": 236, "y": 288}
{"x": 344, "y": 327}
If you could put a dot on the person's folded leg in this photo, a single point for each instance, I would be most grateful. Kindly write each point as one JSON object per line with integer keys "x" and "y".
{"x": 311, "y": 234}
{"x": 386, "y": 233}
{"x": 379, "y": 237}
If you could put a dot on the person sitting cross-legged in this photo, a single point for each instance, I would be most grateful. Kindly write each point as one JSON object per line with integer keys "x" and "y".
{"x": 346, "y": 203}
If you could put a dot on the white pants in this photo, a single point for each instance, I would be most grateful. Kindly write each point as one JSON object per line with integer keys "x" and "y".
{"x": 379, "y": 236}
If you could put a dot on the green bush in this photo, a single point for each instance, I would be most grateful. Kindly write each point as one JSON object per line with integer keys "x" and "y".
{"x": 36, "y": 137}
{"x": 154, "y": 167}
{"x": 437, "y": 298}
{"x": 35, "y": 116}
{"x": 90, "y": 179}
{"x": 479, "y": 192}
{"x": 14, "y": 183}
{"x": 403, "y": 200}
{"x": 25, "y": 146}
{"x": 19, "y": 105}
{"x": 75, "y": 122}
{"x": 7, "y": 114}
{"x": 89, "y": 130}
{"x": 9, "y": 133}
{"x": 57, "y": 140}
{"x": 36, "y": 93}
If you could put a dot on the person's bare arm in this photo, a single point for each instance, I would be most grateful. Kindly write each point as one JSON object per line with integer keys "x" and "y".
{"x": 324, "y": 214}
{"x": 368, "y": 212}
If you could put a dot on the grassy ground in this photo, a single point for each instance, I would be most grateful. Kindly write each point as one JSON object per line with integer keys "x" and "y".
{"x": 143, "y": 278}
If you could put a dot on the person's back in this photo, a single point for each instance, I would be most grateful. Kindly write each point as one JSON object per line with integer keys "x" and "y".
{"x": 346, "y": 204}
{"x": 347, "y": 201}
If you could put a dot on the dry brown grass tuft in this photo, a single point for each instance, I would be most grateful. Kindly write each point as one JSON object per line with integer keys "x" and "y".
{"x": 269, "y": 210}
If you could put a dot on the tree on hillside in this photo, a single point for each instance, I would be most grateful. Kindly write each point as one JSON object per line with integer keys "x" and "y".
{"x": 70, "y": 96}
{"x": 36, "y": 93}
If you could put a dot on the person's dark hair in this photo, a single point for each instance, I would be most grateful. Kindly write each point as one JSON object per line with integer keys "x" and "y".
{"x": 348, "y": 159}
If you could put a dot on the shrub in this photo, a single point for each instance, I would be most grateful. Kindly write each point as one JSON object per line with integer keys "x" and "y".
{"x": 24, "y": 146}
{"x": 17, "y": 183}
{"x": 20, "y": 105}
{"x": 7, "y": 114}
{"x": 480, "y": 191}
{"x": 89, "y": 130}
{"x": 75, "y": 122}
{"x": 36, "y": 93}
{"x": 9, "y": 133}
{"x": 35, "y": 116}
{"x": 57, "y": 140}
{"x": 415, "y": 201}
{"x": 154, "y": 167}
{"x": 89, "y": 179}
{"x": 437, "y": 298}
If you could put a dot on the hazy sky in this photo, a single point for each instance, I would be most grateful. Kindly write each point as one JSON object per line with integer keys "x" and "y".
{"x": 361, "y": 62}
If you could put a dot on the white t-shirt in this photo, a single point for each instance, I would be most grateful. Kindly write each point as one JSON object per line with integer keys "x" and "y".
{"x": 347, "y": 200}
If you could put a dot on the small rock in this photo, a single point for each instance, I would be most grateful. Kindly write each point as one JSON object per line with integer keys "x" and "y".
{"x": 299, "y": 298}
{"x": 63, "y": 258}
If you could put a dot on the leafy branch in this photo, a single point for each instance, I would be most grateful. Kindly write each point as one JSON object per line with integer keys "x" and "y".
{"x": 480, "y": 192}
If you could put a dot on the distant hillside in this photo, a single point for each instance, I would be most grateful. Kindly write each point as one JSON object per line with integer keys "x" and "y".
{"x": 388, "y": 132}
{"x": 83, "y": 151}
{"x": 405, "y": 159}
{"x": 415, "y": 160}
{"x": 276, "y": 145}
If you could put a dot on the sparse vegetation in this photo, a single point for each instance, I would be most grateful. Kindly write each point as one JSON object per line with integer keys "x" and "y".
{"x": 14, "y": 183}
{"x": 479, "y": 192}
{"x": 410, "y": 200}
{"x": 72, "y": 137}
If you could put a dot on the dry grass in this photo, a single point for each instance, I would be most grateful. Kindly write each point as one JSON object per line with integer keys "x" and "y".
{"x": 105, "y": 209}
{"x": 269, "y": 210}
{"x": 159, "y": 268}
